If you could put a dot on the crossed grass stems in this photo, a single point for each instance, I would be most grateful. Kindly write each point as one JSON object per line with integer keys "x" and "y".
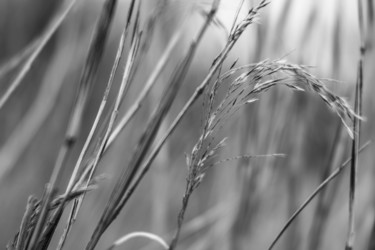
{"x": 243, "y": 85}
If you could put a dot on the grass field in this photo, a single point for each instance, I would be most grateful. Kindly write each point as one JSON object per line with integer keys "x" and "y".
{"x": 176, "y": 124}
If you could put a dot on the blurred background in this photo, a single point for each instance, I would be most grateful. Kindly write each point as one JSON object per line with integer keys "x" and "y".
{"x": 240, "y": 204}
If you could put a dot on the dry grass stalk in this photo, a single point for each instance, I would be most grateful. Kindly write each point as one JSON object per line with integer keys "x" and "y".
{"x": 33, "y": 209}
{"x": 166, "y": 56}
{"x": 74, "y": 178}
{"x": 103, "y": 143}
{"x": 45, "y": 37}
{"x": 148, "y": 86}
{"x": 117, "y": 201}
{"x": 25, "y": 224}
{"x": 147, "y": 34}
{"x": 357, "y": 129}
{"x": 107, "y": 142}
{"x": 124, "y": 87}
{"x": 96, "y": 49}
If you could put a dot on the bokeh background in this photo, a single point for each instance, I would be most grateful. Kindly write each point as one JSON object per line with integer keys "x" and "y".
{"x": 240, "y": 204}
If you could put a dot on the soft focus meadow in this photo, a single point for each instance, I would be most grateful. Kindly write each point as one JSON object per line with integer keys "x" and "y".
{"x": 187, "y": 124}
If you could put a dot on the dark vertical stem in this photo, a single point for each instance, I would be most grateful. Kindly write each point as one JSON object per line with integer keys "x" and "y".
{"x": 356, "y": 128}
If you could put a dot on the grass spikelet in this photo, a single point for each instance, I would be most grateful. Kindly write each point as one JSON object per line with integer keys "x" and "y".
{"x": 262, "y": 76}
{"x": 216, "y": 65}
{"x": 242, "y": 90}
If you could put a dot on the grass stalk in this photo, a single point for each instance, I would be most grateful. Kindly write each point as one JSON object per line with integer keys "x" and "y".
{"x": 180, "y": 219}
{"x": 160, "y": 66}
{"x": 122, "y": 92}
{"x": 357, "y": 132}
{"x": 166, "y": 56}
{"x": 96, "y": 49}
{"x": 73, "y": 178}
{"x": 323, "y": 185}
{"x": 86, "y": 177}
{"x": 116, "y": 201}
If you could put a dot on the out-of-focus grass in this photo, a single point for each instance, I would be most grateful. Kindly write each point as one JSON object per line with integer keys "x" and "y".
{"x": 256, "y": 197}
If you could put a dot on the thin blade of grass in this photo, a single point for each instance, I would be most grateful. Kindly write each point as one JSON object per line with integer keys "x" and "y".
{"x": 50, "y": 30}
{"x": 146, "y": 235}
{"x": 357, "y": 132}
{"x": 149, "y": 84}
{"x": 323, "y": 185}
{"x": 354, "y": 166}
{"x": 148, "y": 33}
